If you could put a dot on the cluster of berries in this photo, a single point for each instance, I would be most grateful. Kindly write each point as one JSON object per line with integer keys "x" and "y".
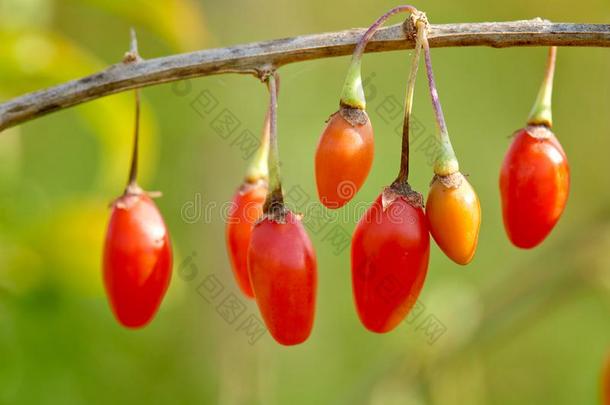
{"x": 272, "y": 257}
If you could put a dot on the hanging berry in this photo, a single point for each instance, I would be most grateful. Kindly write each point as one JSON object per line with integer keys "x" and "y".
{"x": 281, "y": 258}
{"x": 137, "y": 260}
{"x": 391, "y": 244}
{"x": 452, "y": 208}
{"x": 246, "y": 208}
{"x": 454, "y": 216}
{"x": 344, "y": 155}
{"x": 535, "y": 176}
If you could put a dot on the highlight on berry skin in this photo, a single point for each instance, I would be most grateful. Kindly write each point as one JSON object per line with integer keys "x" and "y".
{"x": 535, "y": 174}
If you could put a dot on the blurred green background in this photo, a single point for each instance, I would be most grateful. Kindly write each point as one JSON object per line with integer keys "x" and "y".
{"x": 514, "y": 327}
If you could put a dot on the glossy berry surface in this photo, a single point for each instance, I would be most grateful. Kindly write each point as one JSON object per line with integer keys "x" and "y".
{"x": 245, "y": 210}
{"x": 343, "y": 160}
{"x": 137, "y": 260}
{"x": 390, "y": 253}
{"x": 454, "y": 218}
{"x": 283, "y": 272}
{"x": 534, "y": 185}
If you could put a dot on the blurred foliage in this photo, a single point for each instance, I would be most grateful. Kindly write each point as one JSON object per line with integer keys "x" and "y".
{"x": 520, "y": 326}
{"x": 178, "y": 22}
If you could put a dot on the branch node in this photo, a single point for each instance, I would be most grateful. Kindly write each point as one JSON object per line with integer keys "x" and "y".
{"x": 265, "y": 71}
{"x": 132, "y": 56}
{"x": 540, "y": 20}
{"x": 410, "y": 24}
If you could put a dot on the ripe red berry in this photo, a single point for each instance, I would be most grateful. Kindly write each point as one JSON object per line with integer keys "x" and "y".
{"x": 245, "y": 210}
{"x": 137, "y": 253}
{"x": 282, "y": 266}
{"x": 534, "y": 184}
{"x": 343, "y": 157}
{"x": 137, "y": 259}
{"x": 535, "y": 176}
{"x": 390, "y": 253}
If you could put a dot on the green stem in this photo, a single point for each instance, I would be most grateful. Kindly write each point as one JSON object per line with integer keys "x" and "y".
{"x": 403, "y": 174}
{"x": 446, "y": 162}
{"x": 541, "y": 113}
{"x": 353, "y": 92}
{"x": 275, "y": 195}
{"x": 258, "y": 168}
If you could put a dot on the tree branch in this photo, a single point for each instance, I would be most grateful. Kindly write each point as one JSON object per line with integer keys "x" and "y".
{"x": 255, "y": 57}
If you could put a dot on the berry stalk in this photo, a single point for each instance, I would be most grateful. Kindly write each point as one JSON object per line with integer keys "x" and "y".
{"x": 446, "y": 162}
{"x": 541, "y": 113}
{"x": 353, "y": 92}
{"x": 403, "y": 174}
{"x": 275, "y": 198}
{"x": 131, "y": 57}
{"x": 133, "y": 171}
